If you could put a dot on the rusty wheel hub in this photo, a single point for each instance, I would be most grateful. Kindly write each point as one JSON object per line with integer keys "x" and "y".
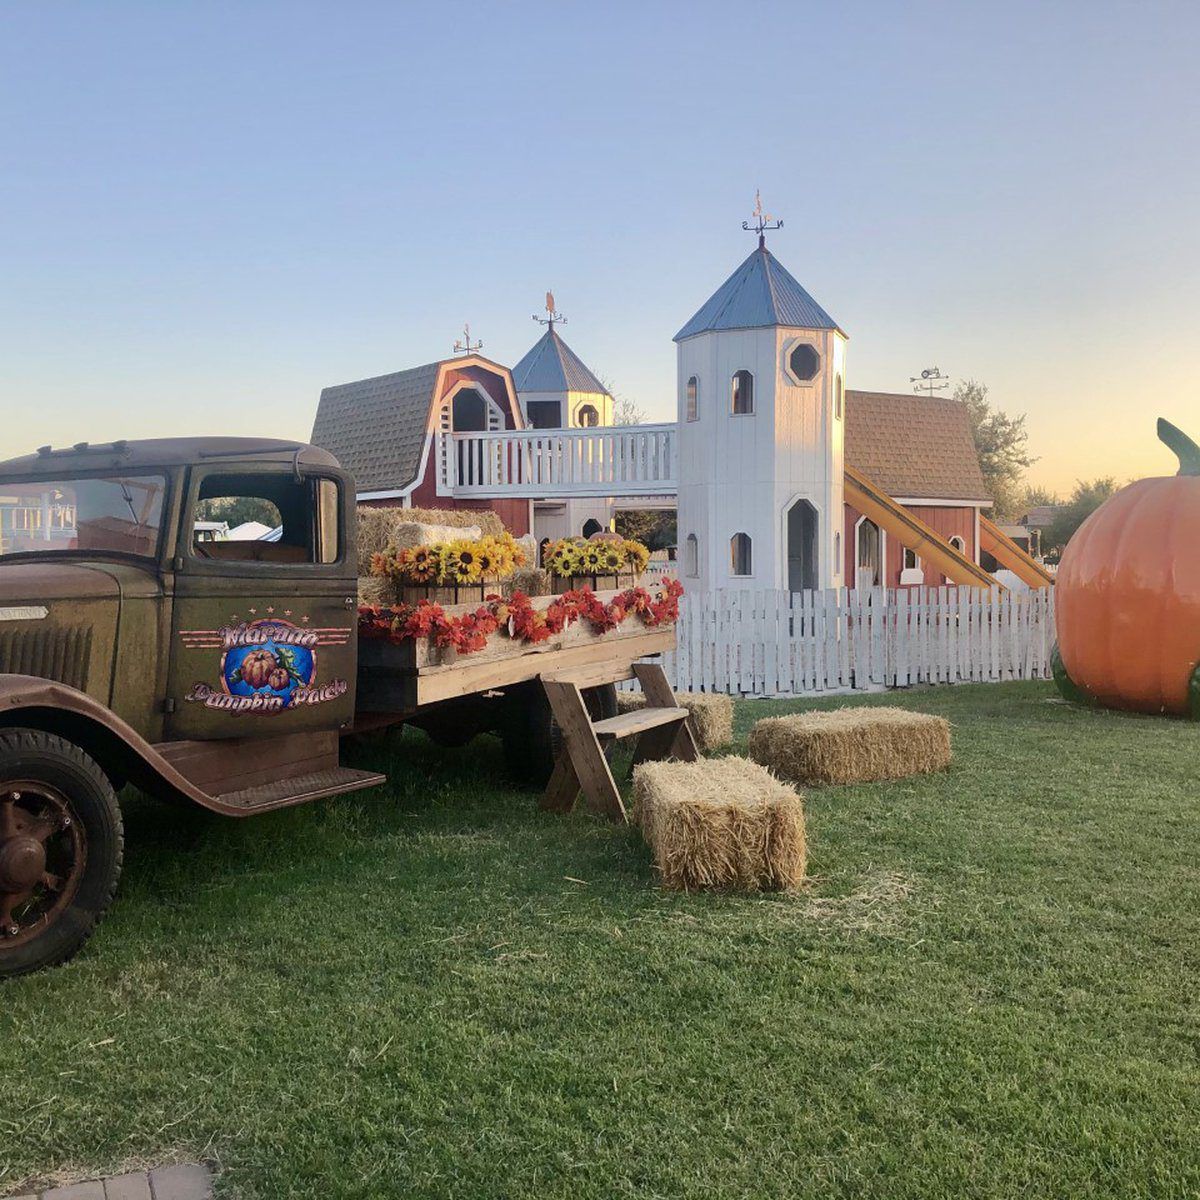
{"x": 42, "y": 856}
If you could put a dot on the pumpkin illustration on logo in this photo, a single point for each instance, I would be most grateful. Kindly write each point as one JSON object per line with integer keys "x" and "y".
{"x": 273, "y": 662}
{"x": 1127, "y": 595}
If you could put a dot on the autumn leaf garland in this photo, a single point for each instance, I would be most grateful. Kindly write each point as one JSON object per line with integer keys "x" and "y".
{"x": 469, "y": 632}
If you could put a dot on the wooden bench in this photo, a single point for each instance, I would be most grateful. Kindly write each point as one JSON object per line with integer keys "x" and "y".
{"x": 661, "y": 728}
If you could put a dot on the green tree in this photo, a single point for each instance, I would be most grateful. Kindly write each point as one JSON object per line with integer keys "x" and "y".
{"x": 1083, "y": 501}
{"x": 1036, "y": 496}
{"x": 1001, "y": 443}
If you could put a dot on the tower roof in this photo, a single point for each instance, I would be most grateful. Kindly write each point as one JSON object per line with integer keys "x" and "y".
{"x": 759, "y": 294}
{"x": 552, "y": 366}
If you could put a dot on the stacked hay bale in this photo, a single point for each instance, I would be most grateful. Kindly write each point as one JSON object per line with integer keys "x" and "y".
{"x": 400, "y": 528}
{"x": 720, "y": 823}
{"x": 851, "y": 745}
{"x": 710, "y": 715}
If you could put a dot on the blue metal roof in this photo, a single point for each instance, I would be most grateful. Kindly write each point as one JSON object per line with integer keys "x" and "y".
{"x": 552, "y": 366}
{"x": 759, "y": 294}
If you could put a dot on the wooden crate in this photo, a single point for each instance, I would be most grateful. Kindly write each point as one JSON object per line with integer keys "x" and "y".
{"x": 401, "y": 676}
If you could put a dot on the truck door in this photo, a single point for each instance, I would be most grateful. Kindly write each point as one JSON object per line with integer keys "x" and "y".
{"x": 263, "y": 637}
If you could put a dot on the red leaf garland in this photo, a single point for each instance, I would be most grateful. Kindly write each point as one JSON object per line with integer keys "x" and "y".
{"x": 518, "y": 617}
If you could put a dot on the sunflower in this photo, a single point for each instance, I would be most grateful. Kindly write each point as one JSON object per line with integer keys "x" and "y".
{"x": 637, "y": 555}
{"x": 421, "y": 564}
{"x": 490, "y": 557}
{"x": 612, "y": 556}
{"x": 591, "y": 559}
{"x": 460, "y": 563}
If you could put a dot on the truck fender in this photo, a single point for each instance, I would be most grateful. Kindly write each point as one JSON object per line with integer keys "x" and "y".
{"x": 35, "y": 703}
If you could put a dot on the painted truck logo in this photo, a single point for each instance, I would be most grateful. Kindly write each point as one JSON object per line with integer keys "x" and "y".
{"x": 267, "y": 666}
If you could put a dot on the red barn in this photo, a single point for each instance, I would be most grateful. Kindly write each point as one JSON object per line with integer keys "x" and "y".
{"x": 384, "y": 430}
{"x": 920, "y": 451}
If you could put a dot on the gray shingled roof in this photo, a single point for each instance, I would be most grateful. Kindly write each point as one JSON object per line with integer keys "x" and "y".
{"x": 376, "y": 427}
{"x": 552, "y": 366}
{"x": 759, "y": 294}
{"x": 914, "y": 447}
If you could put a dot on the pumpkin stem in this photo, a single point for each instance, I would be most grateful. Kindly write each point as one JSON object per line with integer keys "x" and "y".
{"x": 1182, "y": 445}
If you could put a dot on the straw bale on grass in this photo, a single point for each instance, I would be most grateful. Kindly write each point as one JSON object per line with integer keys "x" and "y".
{"x": 709, "y": 714}
{"x": 851, "y": 745}
{"x": 720, "y": 823}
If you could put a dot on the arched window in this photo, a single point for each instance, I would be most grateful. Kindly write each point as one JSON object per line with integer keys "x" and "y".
{"x": 591, "y": 526}
{"x": 837, "y": 397}
{"x": 958, "y": 544}
{"x": 742, "y": 399}
{"x": 740, "y": 561}
{"x": 911, "y": 561}
{"x": 691, "y": 556}
{"x": 693, "y": 399}
{"x": 588, "y": 416}
{"x": 868, "y": 565}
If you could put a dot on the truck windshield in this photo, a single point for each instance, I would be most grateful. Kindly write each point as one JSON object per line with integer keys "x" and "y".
{"x": 120, "y": 513}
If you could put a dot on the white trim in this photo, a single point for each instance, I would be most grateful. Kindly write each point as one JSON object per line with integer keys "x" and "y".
{"x": 924, "y": 502}
{"x": 391, "y": 495}
{"x": 977, "y": 535}
{"x": 883, "y": 571}
{"x": 789, "y": 347}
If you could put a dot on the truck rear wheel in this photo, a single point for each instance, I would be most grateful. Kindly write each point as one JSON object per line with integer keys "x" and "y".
{"x": 531, "y": 736}
{"x": 61, "y": 845}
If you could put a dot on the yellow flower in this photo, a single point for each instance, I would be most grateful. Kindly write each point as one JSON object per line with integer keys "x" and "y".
{"x": 637, "y": 555}
{"x": 460, "y": 562}
{"x": 612, "y": 556}
{"x": 422, "y": 564}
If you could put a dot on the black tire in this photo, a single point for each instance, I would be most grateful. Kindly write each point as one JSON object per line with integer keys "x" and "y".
{"x": 83, "y": 814}
{"x": 531, "y": 736}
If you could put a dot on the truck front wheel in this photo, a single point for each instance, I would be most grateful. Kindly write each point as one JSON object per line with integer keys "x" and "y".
{"x": 61, "y": 844}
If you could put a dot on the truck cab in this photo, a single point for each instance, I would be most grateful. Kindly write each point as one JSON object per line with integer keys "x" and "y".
{"x": 136, "y": 646}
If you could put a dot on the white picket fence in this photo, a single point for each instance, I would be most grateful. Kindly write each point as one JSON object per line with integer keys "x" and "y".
{"x": 775, "y": 643}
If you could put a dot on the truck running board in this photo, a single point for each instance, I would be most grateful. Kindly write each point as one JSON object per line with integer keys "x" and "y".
{"x": 300, "y": 789}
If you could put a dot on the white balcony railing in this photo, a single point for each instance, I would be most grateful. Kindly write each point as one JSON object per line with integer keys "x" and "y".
{"x": 616, "y": 460}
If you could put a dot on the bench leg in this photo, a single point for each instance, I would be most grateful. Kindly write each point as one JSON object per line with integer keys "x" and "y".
{"x": 658, "y": 693}
{"x": 582, "y": 756}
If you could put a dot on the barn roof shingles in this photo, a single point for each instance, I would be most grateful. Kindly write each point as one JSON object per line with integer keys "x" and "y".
{"x": 376, "y": 427}
{"x": 914, "y": 447}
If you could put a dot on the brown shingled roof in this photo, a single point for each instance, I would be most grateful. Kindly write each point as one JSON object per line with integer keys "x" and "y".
{"x": 914, "y": 447}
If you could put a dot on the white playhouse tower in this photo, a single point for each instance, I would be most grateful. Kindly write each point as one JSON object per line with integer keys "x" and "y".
{"x": 761, "y": 418}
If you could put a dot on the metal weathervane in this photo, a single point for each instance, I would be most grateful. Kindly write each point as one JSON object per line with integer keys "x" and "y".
{"x": 552, "y": 317}
{"x": 760, "y": 221}
{"x": 466, "y": 346}
{"x": 929, "y": 381}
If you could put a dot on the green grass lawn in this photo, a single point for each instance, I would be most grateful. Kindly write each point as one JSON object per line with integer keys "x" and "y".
{"x": 990, "y": 989}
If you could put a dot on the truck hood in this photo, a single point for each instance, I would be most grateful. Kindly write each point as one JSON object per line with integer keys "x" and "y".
{"x": 41, "y": 583}
{"x": 33, "y": 582}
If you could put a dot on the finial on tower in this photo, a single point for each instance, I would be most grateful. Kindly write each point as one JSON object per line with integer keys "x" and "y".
{"x": 466, "y": 346}
{"x": 760, "y": 221}
{"x": 552, "y": 317}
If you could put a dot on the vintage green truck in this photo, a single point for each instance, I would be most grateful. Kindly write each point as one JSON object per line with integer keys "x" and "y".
{"x": 134, "y": 649}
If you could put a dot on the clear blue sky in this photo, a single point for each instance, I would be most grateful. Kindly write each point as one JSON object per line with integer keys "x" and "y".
{"x": 212, "y": 210}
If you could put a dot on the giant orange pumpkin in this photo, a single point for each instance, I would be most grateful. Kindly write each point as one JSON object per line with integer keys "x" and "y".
{"x": 1127, "y": 595}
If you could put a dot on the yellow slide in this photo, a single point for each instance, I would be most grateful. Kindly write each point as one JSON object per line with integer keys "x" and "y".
{"x": 913, "y": 534}
{"x": 1008, "y": 554}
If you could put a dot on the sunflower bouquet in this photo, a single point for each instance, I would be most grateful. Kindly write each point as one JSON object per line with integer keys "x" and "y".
{"x": 464, "y": 562}
{"x": 592, "y": 558}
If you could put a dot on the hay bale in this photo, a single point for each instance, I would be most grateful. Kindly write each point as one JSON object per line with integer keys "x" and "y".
{"x": 375, "y": 589}
{"x": 720, "y": 822}
{"x": 461, "y": 519}
{"x": 851, "y": 745}
{"x": 710, "y": 715}
{"x": 533, "y": 581}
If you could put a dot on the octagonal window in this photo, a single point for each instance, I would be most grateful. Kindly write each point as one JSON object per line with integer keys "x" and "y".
{"x": 804, "y": 362}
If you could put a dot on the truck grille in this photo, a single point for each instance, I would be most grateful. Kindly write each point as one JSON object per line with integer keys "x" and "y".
{"x": 59, "y": 654}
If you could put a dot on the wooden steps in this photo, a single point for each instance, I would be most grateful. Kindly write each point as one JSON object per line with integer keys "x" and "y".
{"x": 632, "y": 723}
{"x": 661, "y": 728}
